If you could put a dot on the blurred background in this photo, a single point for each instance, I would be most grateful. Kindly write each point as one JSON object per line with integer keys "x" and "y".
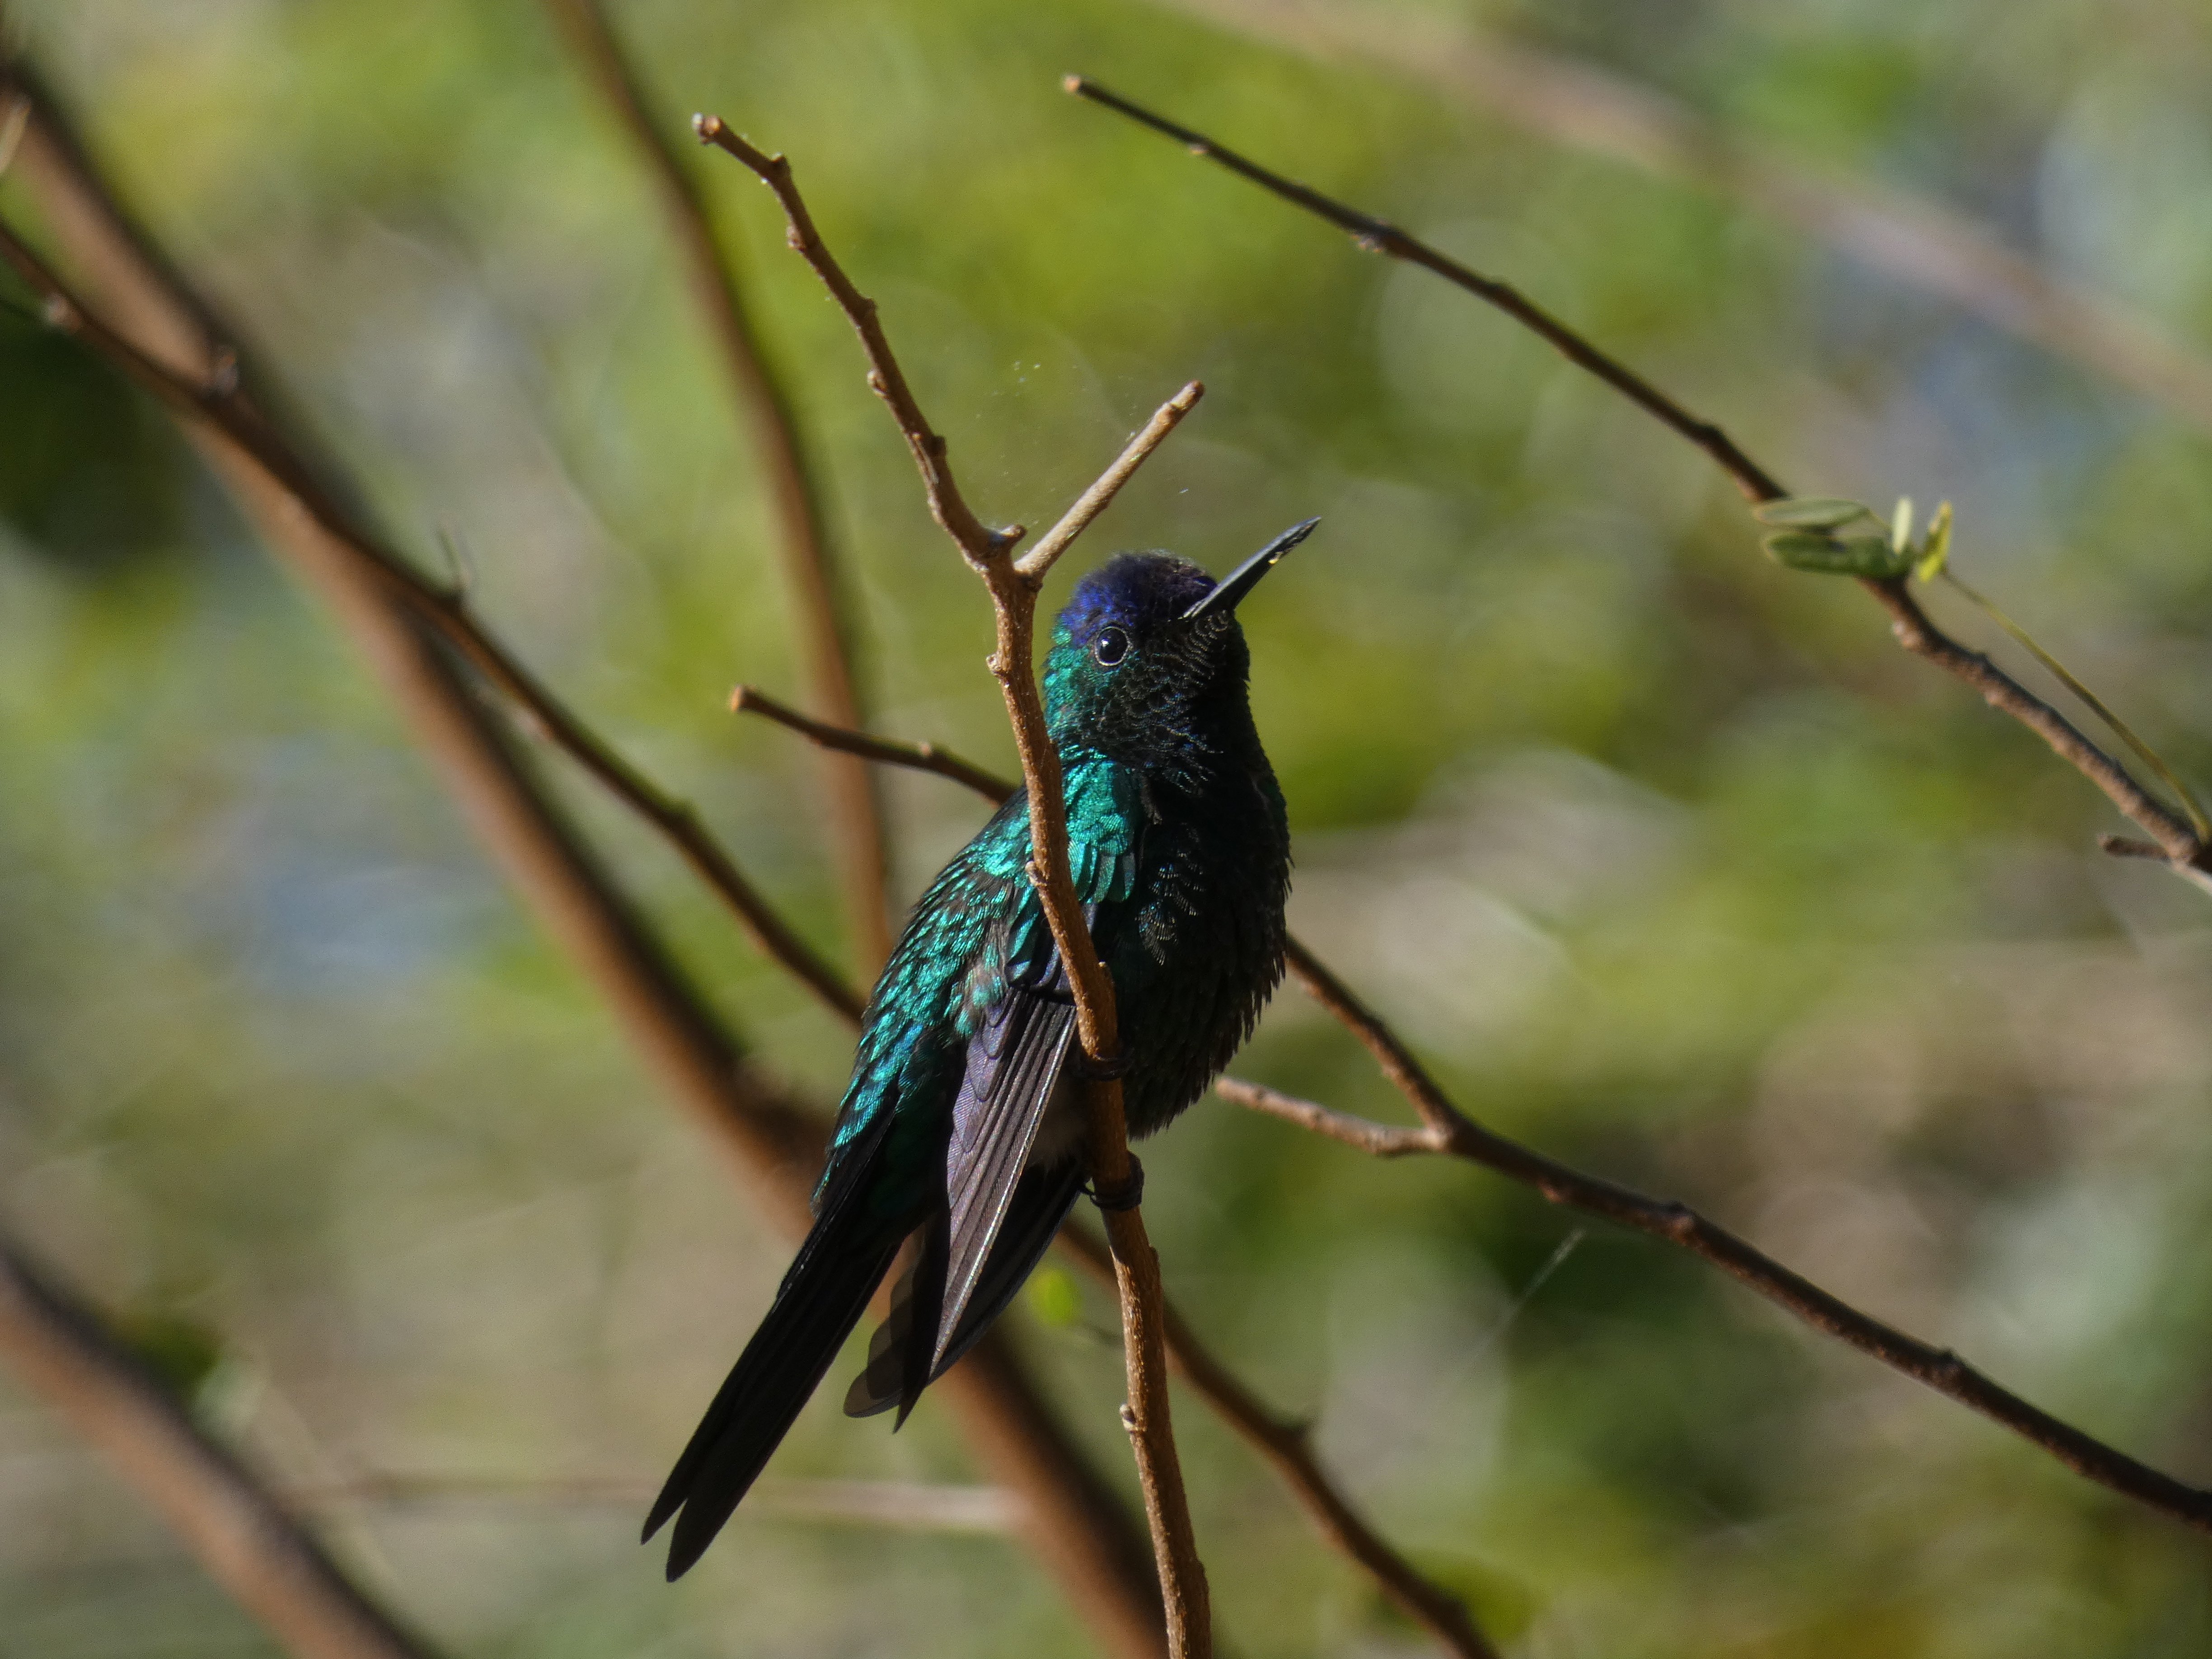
{"x": 1666, "y": 858}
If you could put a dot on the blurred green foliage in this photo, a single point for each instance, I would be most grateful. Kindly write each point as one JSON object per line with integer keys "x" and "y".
{"x": 1664, "y": 855}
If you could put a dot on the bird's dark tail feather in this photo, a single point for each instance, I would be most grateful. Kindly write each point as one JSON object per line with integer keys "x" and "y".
{"x": 821, "y": 1299}
{"x": 1041, "y": 1203}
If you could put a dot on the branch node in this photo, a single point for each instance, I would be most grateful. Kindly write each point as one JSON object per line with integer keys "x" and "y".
{"x": 2127, "y": 846}
{"x": 1129, "y": 1192}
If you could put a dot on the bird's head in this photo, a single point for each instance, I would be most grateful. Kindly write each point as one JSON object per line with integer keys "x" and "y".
{"x": 1148, "y": 659}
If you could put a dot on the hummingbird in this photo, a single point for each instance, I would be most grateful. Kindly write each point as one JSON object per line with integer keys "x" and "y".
{"x": 961, "y": 1128}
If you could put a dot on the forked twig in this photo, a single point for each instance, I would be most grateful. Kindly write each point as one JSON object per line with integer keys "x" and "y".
{"x": 1909, "y": 623}
{"x": 2199, "y": 823}
{"x": 1445, "y": 1130}
{"x": 1013, "y": 590}
{"x": 803, "y": 533}
{"x": 885, "y": 377}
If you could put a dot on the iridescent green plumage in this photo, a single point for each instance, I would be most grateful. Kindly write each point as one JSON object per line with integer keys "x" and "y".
{"x": 959, "y": 1125}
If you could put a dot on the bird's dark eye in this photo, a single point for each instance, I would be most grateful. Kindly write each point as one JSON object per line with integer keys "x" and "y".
{"x": 1110, "y": 647}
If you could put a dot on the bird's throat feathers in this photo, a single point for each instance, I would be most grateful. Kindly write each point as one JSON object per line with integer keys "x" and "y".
{"x": 1130, "y": 677}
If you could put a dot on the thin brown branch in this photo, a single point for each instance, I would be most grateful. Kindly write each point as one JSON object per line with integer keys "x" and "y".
{"x": 890, "y": 751}
{"x": 885, "y": 377}
{"x": 225, "y": 1513}
{"x": 1911, "y": 626}
{"x": 1013, "y": 603}
{"x": 1034, "y": 564}
{"x": 1077, "y": 1526}
{"x": 1449, "y": 1130}
{"x": 1286, "y": 1445}
{"x": 1379, "y": 1140}
{"x": 1912, "y": 239}
{"x": 1380, "y": 237}
{"x": 826, "y": 629}
{"x": 1908, "y": 622}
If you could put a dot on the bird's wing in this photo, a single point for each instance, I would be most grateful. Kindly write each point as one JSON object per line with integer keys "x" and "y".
{"x": 1018, "y": 1057}
{"x": 1016, "y": 1062}
{"x": 1014, "y": 1067}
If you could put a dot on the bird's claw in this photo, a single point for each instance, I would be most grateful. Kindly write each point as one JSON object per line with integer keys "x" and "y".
{"x": 1108, "y": 1069}
{"x": 1127, "y": 1196}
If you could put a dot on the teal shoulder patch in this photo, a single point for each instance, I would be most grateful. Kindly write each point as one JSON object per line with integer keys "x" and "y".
{"x": 1105, "y": 813}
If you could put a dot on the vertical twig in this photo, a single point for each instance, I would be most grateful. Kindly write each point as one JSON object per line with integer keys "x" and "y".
{"x": 1286, "y": 1445}
{"x": 1013, "y": 590}
{"x": 827, "y": 629}
{"x": 247, "y": 1540}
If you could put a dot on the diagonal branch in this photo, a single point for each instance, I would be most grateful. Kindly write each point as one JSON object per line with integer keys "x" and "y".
{"x": 1909, "y": 623}
{"x": 1013, "y": 592}
{"x": 1445, "y": 1129}
{"x": 248, "y": 1541}
{"x": 826, "y": 626}
{"x": 1914, "y": 239}
{"x": 885, "y": 377}
{"x": 1378, "y": 1140}
{"x": 772, "y": 1145}
{"x": 1382, "y": 238}
{"x": 1036, "y": 564}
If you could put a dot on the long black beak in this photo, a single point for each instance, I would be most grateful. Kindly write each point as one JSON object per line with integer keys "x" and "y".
{"x": 1233, "y": 588}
